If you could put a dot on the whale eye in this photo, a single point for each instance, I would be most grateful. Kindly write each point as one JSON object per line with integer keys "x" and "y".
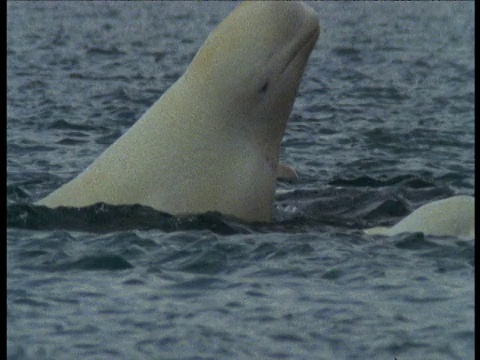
{"x": 264, "y": 87}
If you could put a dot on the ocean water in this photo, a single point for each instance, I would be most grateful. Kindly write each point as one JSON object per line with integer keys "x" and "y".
{"x": 383, "y": 123}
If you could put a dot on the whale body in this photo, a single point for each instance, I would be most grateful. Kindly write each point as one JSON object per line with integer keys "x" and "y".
{"x": 454, "y": 216}
{"x": 212, "y": 140}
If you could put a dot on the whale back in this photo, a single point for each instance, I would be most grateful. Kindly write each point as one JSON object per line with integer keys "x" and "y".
{"x": 454, "y": 216}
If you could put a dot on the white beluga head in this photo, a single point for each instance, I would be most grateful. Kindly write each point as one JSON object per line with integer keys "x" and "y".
{"x": 212, "y": 141}
{"x": 254, "y": 60}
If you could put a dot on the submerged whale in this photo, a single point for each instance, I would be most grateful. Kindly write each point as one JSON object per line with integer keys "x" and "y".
{"x": 454, "y": 216}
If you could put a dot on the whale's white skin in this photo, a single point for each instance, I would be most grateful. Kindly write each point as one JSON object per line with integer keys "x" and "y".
{"x": 454, "y": 216}
{"x": 211, "y": 142}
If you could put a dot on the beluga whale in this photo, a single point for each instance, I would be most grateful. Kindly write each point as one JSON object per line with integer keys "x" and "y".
{"x": 453, "y": 217}
{"x": 211, "y": 142}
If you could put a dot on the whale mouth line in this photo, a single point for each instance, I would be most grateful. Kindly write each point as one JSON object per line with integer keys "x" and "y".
{"x": 309, "y": 40}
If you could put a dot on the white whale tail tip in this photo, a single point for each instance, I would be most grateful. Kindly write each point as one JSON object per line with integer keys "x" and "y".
{"x": 285, "y": 172}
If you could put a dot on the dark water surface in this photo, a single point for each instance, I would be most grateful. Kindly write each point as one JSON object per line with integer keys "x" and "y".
{"x": 383, "y": 123}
